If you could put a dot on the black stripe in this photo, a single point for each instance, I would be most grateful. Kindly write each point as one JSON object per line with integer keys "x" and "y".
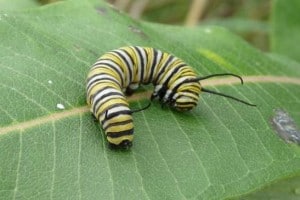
{"x": 189, "y": 91}
{"x": 119, "y": 134}
{"x": 105, "y": 88}
{"x": 174, "y": 90}
{"x": 110, "y": 107}
{"x": 93, "y": 96}
{"x": 101, "y": 79}
{"x": 141, "y": 67}
{"x": 95, "y": 104}
{"x": 132, "y": 61}
{"x": 174, "y": 71}
{"x": 154, "y": 63}
{"x": 108, "y": 59}
{"x": 99, "y": 62}
{"x": 94, "y": 109}
{"x": 111, "y": 66}
{"x": 107, "y": 95}
{"x": 122, "y": 112}
{"x": 112, "y": 93}
{"x": 162, "y": 71}
{"x": 127, "y": 63}
{"x": 144, "y": 65}
{"x": 104, "y": 96}
{"x": 118, "y": 123}
{"x": 188, "y": 97}
{"x": 129, "y": 55}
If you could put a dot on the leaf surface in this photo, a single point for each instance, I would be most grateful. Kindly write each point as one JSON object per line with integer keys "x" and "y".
{"x": 219, "y": 150}
{"x": 17, "y": 4}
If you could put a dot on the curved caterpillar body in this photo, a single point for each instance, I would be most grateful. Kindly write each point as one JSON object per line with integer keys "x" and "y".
{"x": 176, "y": 84}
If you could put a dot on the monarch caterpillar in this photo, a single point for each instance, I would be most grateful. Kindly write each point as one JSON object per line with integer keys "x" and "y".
{"x": 122, "y": 70}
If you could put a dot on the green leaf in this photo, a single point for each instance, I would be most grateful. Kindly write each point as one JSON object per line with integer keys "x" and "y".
{"x": 285, "y": 32}
{"x": 221, "y": 149}
{"x": 287, "y": 189}
{"x": 17, "y": 4}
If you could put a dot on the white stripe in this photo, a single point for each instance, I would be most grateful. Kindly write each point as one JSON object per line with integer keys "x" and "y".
{"x": 155, "y": 70}
{"x": 99, "y": 77}
{"x": 156, "y": 89}
{"x": 180, "y": 80}
{"x": 128, "y": 58}
{"x": 137, "y": 65}
{"x": 144, "y": 57}
{"x": 104, "y": 92}
{"x": 103, "y": 64}
{"x": 159, "y": 57}
{"x": 126, "y": 80}
{"x": 170, "y": 71}
{"x": 166, "y": 68}
{"x": 102, "y": 100}
{"x": 167, "y": 95}
{"x": 111, "y": 111}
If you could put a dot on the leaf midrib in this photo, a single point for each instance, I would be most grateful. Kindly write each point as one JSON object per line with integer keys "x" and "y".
{"x": 212, "y": 82}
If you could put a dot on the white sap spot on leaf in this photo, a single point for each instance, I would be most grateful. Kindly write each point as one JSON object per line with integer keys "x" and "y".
{"x": 50, "y": 82}
{"x": 285, "y": 127}
{"x": 60, "y": 106}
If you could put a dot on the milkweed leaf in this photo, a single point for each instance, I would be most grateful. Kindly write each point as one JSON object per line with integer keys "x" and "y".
{"x": 221, "y": 149}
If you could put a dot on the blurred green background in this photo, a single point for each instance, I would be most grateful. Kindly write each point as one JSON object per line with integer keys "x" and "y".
{"x": 248, "y": 18}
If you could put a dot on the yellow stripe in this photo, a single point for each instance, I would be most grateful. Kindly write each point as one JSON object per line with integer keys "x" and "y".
{"x": 95, "y": 89}
{"x": 112, "y": 56}
{"x": 149, "y": 53}
{"x": 120, "y": 118}
{"x": 190, "y": 95}
{"x": 109, "y": 104}
{"x": 119, "y": 128}
{"x": 164, "y": 59}
{"x": 118, "y": 140}
{"x": 133, "y": 56}
{"x": 195, "y": 87}
{"x": 106, "y": 70}
{"x": 120, "y": 63}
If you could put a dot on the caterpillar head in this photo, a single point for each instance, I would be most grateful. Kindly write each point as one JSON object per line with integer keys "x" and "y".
{"x": 183, "y": 96}
{"x": 184, "y": 93}
{"x": 186, "y": 96}
{"x": 187, "y": 93}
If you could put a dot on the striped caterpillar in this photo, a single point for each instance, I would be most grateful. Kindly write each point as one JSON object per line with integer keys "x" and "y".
{"x": 124, "y": 69}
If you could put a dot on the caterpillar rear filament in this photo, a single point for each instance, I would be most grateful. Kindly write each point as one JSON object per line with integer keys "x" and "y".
{"x": 123, "y": 70}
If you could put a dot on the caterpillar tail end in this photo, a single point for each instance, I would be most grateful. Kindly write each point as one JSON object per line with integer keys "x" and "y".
{"x": 124, "y": 145}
